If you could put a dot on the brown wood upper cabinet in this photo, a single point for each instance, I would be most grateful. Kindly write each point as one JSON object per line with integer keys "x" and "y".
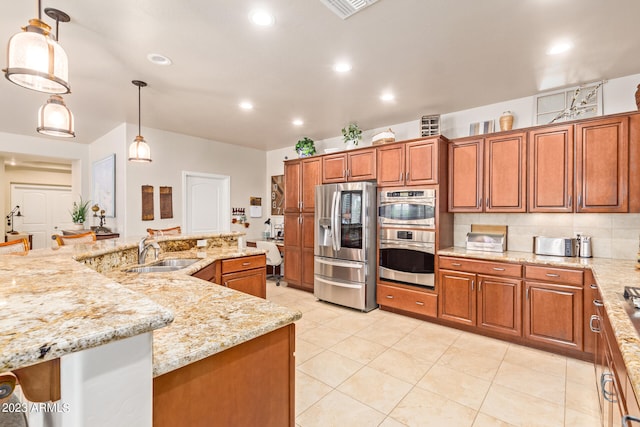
{"x": 551, "y": 169}
{"x": 414, "y": 162}
{"x": 359, "y": 165}
{"x": 301, "y": 177}
{"x": 602, "y": 165}
{"x": 499, "y": 186}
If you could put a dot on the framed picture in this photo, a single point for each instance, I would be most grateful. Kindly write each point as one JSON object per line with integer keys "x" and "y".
{"x": 104, "y": 184}
{"x": 277, "y": 195}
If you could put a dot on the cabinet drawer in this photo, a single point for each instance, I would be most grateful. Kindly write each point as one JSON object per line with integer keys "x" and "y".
{"x": 408, "y": 300}
{"x": 563, "y": 275}
{"x": 243, "y": 263}
{"x": 481, "y": 267}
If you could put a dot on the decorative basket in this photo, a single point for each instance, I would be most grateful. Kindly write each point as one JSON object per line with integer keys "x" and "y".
{"x": 383, "y": 137}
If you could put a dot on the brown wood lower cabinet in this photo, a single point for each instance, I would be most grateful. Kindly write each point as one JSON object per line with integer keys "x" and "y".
{"x": 499, "y": 305}
{"x": 251, "y": 384}
{"x": 615, "y": 394}
{"x": 407, "y": 300}
{"x": 457, "y": 297}
{"x": 245, "y": 274}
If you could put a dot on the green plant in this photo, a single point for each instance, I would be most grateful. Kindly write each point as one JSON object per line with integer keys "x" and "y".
{"x": 352, "y": 133}
{"x": 79, "y": 211}
{"x": 306, "y": 147}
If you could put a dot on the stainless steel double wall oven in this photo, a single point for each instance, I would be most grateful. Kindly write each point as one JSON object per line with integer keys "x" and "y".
{"x": 407, "y": 236}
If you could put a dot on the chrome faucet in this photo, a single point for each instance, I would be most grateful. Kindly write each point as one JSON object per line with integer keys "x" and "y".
{"x": 143, "y": 248}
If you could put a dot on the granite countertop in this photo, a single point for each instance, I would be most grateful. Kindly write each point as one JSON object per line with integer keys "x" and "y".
{"x": 611, "y": 275}
{"x": 223, "y": 318}
{"x": 52, "y": 305}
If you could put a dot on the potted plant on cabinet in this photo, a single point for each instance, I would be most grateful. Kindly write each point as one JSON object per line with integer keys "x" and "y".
{"x": 305, "y": 147}
{"x": 79, "y": 213}
{"x": 352, "y": 135}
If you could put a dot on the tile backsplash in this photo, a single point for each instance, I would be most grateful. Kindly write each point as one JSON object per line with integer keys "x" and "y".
{"x": 613, "y": 235}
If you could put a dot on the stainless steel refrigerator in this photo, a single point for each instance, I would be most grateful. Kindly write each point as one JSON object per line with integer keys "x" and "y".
{"x": 345, "y": 245}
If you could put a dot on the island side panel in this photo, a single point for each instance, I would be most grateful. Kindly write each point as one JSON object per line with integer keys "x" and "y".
{"x": 247, "y": 385}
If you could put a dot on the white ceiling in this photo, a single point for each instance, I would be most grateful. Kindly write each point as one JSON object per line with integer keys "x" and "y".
{"x": 437, "y": 56}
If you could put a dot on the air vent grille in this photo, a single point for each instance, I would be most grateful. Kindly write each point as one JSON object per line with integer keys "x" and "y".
{"x": 346, "y": 8}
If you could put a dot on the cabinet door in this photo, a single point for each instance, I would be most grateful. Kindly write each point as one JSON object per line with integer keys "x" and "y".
{"x": 362, "y": 165}
{"x": 292, "y": 248}
{"x": 334, "y": 168}
{"x": 551, "y": 169}
{"x": 292, "y": 176}
{"x": 252, "y": 282}
{"x": 505, "y": 173}
{"x": 307, "y": 230}
{"x": 465, "y": 176}
{"x": 311, "y": 176}
{"x": 457, "y": 297}
{"x": 391, "y": 165}
{"x": 553, "y": 314}
{"x": 500, "y": 305}
{"x": 602, "y": 165}
{"x": 421, "y": 162}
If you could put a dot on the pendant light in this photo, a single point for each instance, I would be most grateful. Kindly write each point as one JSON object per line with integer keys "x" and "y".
{"x": 55, "y": 119}
{"x": 35, "y": 60}
{"x": 139, "y": 150}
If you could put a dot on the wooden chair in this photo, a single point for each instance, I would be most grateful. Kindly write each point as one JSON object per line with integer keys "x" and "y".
{"x": 173, "y": 231}
{"x": 88, "y": 237}
{"x": 15, "y": 247}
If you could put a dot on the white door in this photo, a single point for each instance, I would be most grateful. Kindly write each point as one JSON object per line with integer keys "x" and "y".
{"x": 207, "y": 202}
{"x": 44, "y": 211}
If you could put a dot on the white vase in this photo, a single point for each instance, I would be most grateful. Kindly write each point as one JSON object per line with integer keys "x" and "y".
{"x": 78, "y": 226}
{"x": 351, "y": 144}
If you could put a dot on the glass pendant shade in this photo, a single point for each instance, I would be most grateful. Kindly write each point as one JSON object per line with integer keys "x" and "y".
{"x": 139, "y": 150}
{"x": 55, "y": 119}
{"x": 36, "y": 61}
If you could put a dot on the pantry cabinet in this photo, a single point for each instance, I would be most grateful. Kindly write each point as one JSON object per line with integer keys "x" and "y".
{"x": 551, "y": 169}
{"x": 359, "y": 165}
{"x": 301, "y": 177}
{"x": 602, "y": 165}
{"x": 415, "y": 162}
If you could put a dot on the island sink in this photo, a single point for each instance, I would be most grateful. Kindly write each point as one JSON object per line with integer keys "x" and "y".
{"x": 164, "y": 265}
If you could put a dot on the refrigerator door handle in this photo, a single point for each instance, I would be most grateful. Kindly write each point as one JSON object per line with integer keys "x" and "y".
{"x": 342, "y": 285}
{"x": 336, "y": 221}
{"x": 340, "y": 264}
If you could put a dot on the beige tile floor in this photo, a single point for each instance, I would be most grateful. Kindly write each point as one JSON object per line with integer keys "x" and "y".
{"x": 383, "y": 369}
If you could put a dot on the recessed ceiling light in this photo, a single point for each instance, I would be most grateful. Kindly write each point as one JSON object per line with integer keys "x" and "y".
{"x": 159, "y": 59}
{"x": 297, "y": 122}
{"x": 262, "y": 18}
{"x": 387, "y": 97}
{"x": 342, "y": 67}
{"x": 559, "y": 48}
{"x": 246, "y": 105}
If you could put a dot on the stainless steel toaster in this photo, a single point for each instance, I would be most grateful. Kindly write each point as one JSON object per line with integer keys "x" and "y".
{"x": 557, "y": 246}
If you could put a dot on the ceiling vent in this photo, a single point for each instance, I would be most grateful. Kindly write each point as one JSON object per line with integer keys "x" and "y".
{"x": 346, "y": 8}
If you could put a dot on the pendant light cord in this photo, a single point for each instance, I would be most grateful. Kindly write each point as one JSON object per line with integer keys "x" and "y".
{"x": 139, "y": 113}
{"x": 39, "y": 10}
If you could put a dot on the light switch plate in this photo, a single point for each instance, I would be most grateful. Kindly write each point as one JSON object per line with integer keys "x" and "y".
{"x": 201, "y": 243}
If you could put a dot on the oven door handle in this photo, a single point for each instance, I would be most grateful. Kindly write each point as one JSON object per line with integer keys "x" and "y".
{"x": 423, "y": 247}
{"x": 394, "y": 201}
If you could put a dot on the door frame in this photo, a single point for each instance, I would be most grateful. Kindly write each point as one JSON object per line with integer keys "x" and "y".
{"x": 226, "y": 188}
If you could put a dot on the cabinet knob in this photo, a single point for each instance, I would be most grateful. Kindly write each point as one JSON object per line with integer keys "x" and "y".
{"x": 244, "y": 264}
{"x": 390, "y": 296}
{"x": 456, "y": 264}
{"x": 593, "y": 286}
{"x": 629, "y": 418}
{"x": 498, "y": 269}
{"x": 596, "y": 329}
{"x": 597, "y": 303}
{"x": 552, "y": 275}
{"x": 419, "y": 303}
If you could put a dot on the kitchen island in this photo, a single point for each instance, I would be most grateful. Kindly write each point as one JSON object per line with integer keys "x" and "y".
{"x": 211, "y": 324}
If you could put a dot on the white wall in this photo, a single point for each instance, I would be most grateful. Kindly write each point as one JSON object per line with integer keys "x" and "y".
{"x": 614, "y": 235}
{"x": 113, "y": 142}
{"x": 173, "y": 153}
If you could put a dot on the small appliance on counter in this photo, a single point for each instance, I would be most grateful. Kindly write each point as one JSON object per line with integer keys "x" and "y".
{"x": 486, "y": 242}
{"x": 556, "y": 246}
{"x": 584, "y": 243}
